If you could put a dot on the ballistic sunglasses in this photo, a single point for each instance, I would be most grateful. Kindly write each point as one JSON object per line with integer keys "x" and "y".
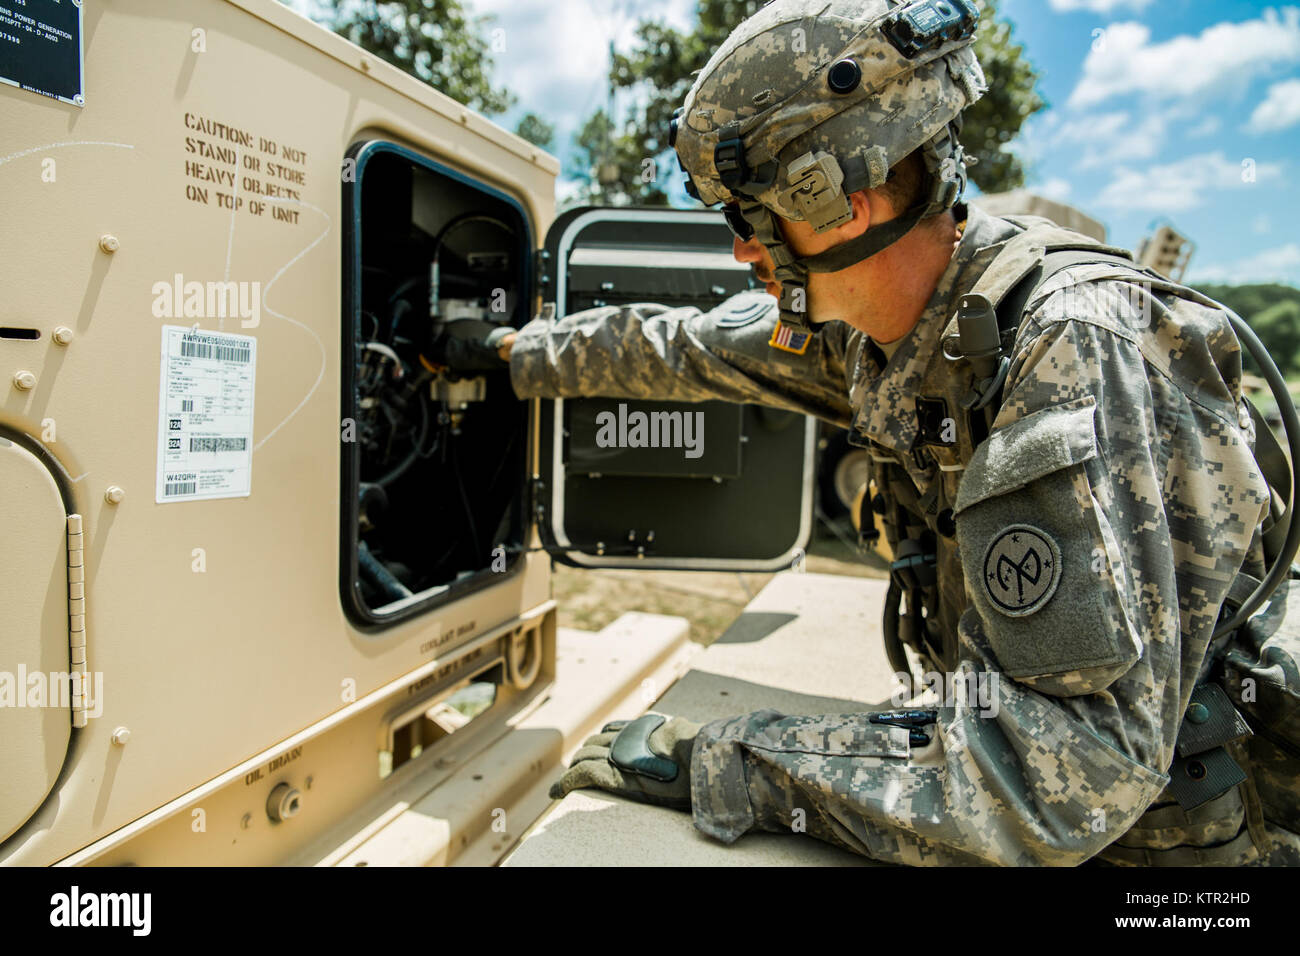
{"x": 737, "y": 222}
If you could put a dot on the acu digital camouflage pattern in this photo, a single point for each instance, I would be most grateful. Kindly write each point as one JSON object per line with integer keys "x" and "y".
{"x": 1132, "y": 386}
{"x": 775, "y": 65}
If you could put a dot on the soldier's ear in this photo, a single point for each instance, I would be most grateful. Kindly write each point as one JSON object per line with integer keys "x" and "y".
{"x": 862, "y": 216}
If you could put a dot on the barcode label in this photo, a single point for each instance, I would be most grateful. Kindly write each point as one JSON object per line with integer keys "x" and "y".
{"x": 205, "y": 414}
{"x": 218, "y": 444}
{"x": 207, "y": 350}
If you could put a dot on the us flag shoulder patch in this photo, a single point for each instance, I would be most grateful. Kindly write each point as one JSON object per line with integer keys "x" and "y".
{"x": 788, "y": 340}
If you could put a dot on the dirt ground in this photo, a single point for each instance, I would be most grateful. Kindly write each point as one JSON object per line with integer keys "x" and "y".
{"x": 710, "y": 600}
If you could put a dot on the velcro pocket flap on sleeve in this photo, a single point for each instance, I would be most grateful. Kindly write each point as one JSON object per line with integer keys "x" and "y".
{"x": 1026, "y": 450}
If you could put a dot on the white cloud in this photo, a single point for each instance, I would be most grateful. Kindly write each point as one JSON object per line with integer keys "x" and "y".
{"x": 1225, "y": 56}
{"x": 1174, "y": 187}
{"x": 1055, "y": 188}
{"x": 1097, "y": 6}
{"x": 1036, "y": 136}
{"x": 1281, "y": 264}
{"x": 1088, "y": 128}
{"x": 557, "y": 61}
{"x": 1108, "y": 138}
{"x": 1280, "y": 109}
{"x": 557, "y": 58}
{"x": 1282, "y": 259}
{"x": 1207, "y": 127}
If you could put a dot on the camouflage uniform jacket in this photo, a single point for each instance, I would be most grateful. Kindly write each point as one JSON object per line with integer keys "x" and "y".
{"x": 1119, "y": 457}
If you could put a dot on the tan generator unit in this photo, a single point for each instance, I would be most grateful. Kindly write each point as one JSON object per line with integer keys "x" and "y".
{"x": 268, "y": 573}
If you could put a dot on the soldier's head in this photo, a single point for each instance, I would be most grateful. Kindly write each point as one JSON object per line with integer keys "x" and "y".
{"x": 828, "y": 130}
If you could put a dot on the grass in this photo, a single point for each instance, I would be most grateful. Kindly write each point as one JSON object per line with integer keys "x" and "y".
{"x": 710, "y": 600}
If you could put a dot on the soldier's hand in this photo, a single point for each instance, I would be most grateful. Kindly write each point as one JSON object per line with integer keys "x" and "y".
{"x": 506, "y": 344}
{"x": 478, "y": 352}
{"x": 647, "y": 759}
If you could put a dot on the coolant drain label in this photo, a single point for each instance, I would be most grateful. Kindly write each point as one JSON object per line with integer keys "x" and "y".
{"x": 205, "y": 415}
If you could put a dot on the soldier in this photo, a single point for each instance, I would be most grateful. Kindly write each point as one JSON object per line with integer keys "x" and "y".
{"x": 1073, "y": 504}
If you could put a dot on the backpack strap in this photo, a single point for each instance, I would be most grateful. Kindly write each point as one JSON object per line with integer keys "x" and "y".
{"x": 1008, "y": 289}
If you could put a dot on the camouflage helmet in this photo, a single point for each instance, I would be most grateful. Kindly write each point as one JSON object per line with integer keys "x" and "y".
{"x": 807, "y": 102}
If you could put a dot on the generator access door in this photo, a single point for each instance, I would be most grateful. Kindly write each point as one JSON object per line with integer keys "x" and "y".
{"x": 625, "y": 483}
{"x": 35, "y": 685}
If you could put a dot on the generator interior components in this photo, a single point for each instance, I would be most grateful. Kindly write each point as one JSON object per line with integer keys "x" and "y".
{"x": 433, "y": 485}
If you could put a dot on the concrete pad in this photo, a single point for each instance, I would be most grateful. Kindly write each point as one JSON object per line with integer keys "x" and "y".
{"x": 806, "y": 641}
{"x": 593, "y": 828}
{"x": 807, "y": 644}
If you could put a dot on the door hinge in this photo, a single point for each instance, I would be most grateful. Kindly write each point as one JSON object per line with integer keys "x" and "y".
{"x": 538, "y": 504}
{"x": 77, "y": 620}
{"x": 542, "y": 267}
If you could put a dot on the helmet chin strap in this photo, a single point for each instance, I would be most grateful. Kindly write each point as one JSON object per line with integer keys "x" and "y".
{"x": 792, "y": 271}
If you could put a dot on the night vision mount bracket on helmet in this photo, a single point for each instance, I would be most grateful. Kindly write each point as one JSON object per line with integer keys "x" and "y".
{"x": 815, "y": 188}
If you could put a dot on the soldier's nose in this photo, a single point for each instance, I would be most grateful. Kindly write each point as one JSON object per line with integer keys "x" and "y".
{"x": 750, "y": 251}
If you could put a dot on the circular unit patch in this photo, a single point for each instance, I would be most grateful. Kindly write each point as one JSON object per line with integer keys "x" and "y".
{"x": 1022, "y": 568}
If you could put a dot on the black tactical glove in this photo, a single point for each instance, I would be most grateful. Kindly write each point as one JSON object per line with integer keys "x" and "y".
{"x": 475, "y": 352}
{"x": 647, "y": 759}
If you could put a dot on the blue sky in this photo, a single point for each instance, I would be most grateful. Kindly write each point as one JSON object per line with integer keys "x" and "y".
{"x": 1157, "y": 121}
{"x": 1160, "y": 110}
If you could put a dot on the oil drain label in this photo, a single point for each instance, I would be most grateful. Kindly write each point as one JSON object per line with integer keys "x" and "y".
{"x": 205, "y": 415}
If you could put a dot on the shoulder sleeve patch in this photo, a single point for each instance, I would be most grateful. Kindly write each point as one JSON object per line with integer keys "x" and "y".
{"x": 788, "y": 340}
{"x": 1022, "y": 568}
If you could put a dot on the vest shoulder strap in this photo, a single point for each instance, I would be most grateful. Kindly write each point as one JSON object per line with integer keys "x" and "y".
{"x": 1011, "y": 308}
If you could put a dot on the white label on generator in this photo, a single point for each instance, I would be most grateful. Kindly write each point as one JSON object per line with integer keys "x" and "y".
{"x": 205, "y": 415}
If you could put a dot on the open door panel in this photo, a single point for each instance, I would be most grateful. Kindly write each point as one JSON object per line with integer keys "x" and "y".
{"x": 742, "y": 500}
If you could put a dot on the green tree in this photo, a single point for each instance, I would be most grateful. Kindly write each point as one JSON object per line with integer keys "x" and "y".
{"x": 657, "y": 73}
{"x": 536, "y": 130}
{"x": 602, "y": 174}
{"x": 436, "y": 41}
{"x": 1278, "y": 327}
{"x": 1272, "y": 311}
{"x": 995, "y": 119}
{"x": 1248, "y": 300}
